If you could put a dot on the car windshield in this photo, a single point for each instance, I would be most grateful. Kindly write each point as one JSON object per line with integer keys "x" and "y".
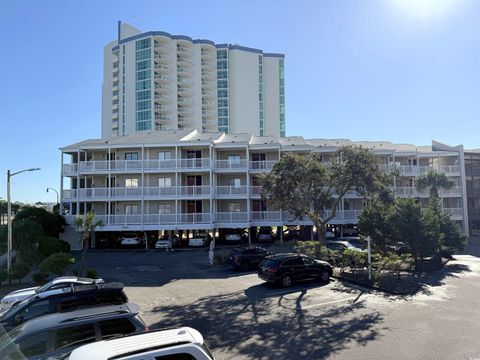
{"x": 269, "y": 263}
{"x": 44, "y": 287}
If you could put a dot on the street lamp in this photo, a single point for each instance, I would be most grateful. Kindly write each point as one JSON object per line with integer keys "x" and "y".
{"x": 48, "y": 188}
{"x": 9, "y": 216}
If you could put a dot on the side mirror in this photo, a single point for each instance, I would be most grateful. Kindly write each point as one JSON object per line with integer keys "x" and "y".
{"x": 18, "y": 319}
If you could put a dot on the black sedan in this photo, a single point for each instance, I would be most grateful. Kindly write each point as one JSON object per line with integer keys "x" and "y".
{"x": 285, "y": 269}
{"x": 246, "y": 258}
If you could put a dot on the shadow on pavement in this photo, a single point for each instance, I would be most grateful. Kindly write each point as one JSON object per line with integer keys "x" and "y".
{"x": 253, "y": 326}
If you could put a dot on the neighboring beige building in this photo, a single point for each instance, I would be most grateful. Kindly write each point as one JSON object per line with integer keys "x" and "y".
{"x": 155, "y": 81}
{"x": 188, "y": 180}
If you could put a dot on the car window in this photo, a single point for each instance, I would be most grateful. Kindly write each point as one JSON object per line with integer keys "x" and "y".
{"x": 61, "y": 285}
{"x": 34, "y": 310}
{"x": 293, "y": 262}
{"x": 182, "y": 356}
{"x": 72, "y": 302}
{"x": 308, "y": 261}
{"x": 116, "y": 326}
{"x": 74, "y": 334}
{"x": 35, "y": 344}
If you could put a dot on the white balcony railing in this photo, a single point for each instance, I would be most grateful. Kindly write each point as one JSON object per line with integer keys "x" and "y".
{"x": 231, "y": 190}
{"x": 231, "y": 217}
{"x": 266, "y": 216}
{"x": 265, "y": 165}
{"x": 240, "y": 164}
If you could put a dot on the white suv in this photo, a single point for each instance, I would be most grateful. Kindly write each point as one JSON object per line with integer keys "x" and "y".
{"x": 183, "y": 343}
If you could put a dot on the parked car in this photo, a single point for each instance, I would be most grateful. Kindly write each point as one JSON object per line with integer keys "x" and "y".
{"x": 200, "y": 240}
{"x": 265, "y": 234}
{"x": 291, "y": 234}
{"x": 167, "y": 242}
{"x": 131, "y": 240}
{"x": 399, "y": 248}
{"x": 246, "y": 258}
{"x": 355, "y": 241}
{"x": 285, "y": 269}
{"x": 54, "y": 336}
{"x": 183, "y": 343}
{"x": 62, "y": 300}
{"x": 341, "y": 246}
{"x": 58, "y": 283}
{"x": 235, "y": 236}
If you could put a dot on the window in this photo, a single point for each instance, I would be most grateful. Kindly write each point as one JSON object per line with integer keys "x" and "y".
{"x": 131, "y": 209}
{"x": 293, "y": 262}
{"x": 234, "y": 159}
{"x": 308, "y": 262}
{"x": 165, "y": 209}
{"x": 234, "y": 206}
{"x": 131, "y": 156}
{"x": 116, "y": 327}
{"x": 164, "y": 155}
{"x": 131, "y": 183}
{"x": 35, "y": 309}
{"x": 234, "y": 182}
{"x": 164, "y": 182}
{"x": 80, "y": 334}
{"x": 34, "y": 345}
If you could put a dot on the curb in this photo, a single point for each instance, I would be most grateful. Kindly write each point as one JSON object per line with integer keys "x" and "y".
{"x": 376, "y": 288}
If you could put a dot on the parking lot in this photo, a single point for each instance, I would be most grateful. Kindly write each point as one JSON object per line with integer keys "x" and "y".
{"x": 241, "y": 317}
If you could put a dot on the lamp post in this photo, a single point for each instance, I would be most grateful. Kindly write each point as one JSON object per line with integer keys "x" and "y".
{"x": 9, "y": 216}
{"x": 48, "y": 188}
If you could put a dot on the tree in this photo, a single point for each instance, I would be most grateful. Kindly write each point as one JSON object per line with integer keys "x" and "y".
{"x": 412, "y": 226}
{"x": 87, "y": 224}
{"x": 56, "y": 263}
{"x": 433, "y": 181}
{"x": 24, "y": 240}
{"x": 52, "y": 223}
{"x": 376, "y": 221}
{"x": 306, "y": 187}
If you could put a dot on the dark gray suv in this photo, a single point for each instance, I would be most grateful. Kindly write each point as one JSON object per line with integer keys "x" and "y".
{"x": 56, "y": 335}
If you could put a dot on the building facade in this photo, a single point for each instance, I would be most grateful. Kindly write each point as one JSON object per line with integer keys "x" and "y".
{"x": 155, "y": 81}
{"x": 188, "y": 180}
{"x": 472, "y": 175}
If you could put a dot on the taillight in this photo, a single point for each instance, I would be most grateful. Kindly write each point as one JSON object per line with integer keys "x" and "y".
{"x": 236, "y": 258}
{"x": 272, "y": 269}
{"x": 147, "y": 329}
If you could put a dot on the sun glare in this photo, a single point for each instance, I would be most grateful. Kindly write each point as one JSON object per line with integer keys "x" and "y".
{"x": 425, "y": 9}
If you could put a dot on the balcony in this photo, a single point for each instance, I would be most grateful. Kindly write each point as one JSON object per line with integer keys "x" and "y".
{"x": 162, "y": 78}
{"x": 162, "y": 68}
{"x": 265, "y": 216}
{"x": 261, "y": 166}
{"x": 194, "y": 164}
{"x": 455, "y": 213}
{"x": 231, "y": 191}
{"x": 159, "y": 165}
{"x": 71, "y": 169}
{"x": 184, "y": 61}
{"x": 208, "y": 94}
{"x": 415, "y": 170}
{"x": 184, "y": 71}
{"x": 161, "y": 59}
{"x": 413, "y": 192}
{"x": 150, "y": 219}
{"x": 255, "y": 191}
{"x": 231, "y": 217}
{"x": 229, "y": 165}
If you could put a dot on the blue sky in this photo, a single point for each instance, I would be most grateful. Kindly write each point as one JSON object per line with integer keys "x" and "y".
{"x": 398, "y": 70}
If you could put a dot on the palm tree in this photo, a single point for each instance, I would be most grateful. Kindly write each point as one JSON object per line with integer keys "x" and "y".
{"x": 433, "y": 181}
{"x": 87, "y": 224}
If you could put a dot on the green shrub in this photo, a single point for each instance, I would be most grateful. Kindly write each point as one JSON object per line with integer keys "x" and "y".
{"x": 19, "y": 271}
{"x": 354, "y": 259}
{"x": 40, "y": 278}
{"x": 48, "y": 245}
{"x": 92, "y": 274}
{"x": 56, "y": 263}
{"x": 310, "y": 248}
{"x": 3, "y": 276}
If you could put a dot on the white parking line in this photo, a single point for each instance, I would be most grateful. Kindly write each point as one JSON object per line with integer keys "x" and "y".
{"x": 327, "y": 303}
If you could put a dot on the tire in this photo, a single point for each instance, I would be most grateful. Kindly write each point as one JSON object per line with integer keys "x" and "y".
{"x": 286, "y": 281}
{"x": 324, "y": 276}
{"x": 245, "y": 265}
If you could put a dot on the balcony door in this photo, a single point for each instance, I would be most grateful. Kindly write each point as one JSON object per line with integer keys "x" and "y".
{"x": 194, "y": 158}
{"x": 259, "y": 161}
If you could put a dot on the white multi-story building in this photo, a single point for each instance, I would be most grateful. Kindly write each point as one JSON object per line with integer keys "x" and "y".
{"x": 188, "y": 180}
{"x": 155, "y": 81}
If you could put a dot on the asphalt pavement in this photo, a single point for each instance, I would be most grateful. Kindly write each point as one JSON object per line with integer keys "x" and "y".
{"x": 241, "y": 317}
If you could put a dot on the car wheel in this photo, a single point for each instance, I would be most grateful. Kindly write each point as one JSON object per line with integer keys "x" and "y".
{"x": 324, "y": 276}
{"x": 245, "y": 266}
{"x": 286, "y": 281}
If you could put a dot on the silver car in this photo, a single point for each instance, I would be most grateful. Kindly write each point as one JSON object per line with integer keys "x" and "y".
{"x": 58, "y": 283}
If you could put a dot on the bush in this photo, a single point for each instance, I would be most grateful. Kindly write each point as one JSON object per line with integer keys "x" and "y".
{"x": 3, "y": 276}
{"x": 19, "y": 271}
{"x": 48, "y": 245}
{"x": 92, "y": 274}
{"x": 56, "y": 263}
{"x": 311, "y": 248}
{"x": 448, "y": 252}
{"x": 220, "y": 257}
{"x": 40, "y": 278}
{"x": 354, "y": 259}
